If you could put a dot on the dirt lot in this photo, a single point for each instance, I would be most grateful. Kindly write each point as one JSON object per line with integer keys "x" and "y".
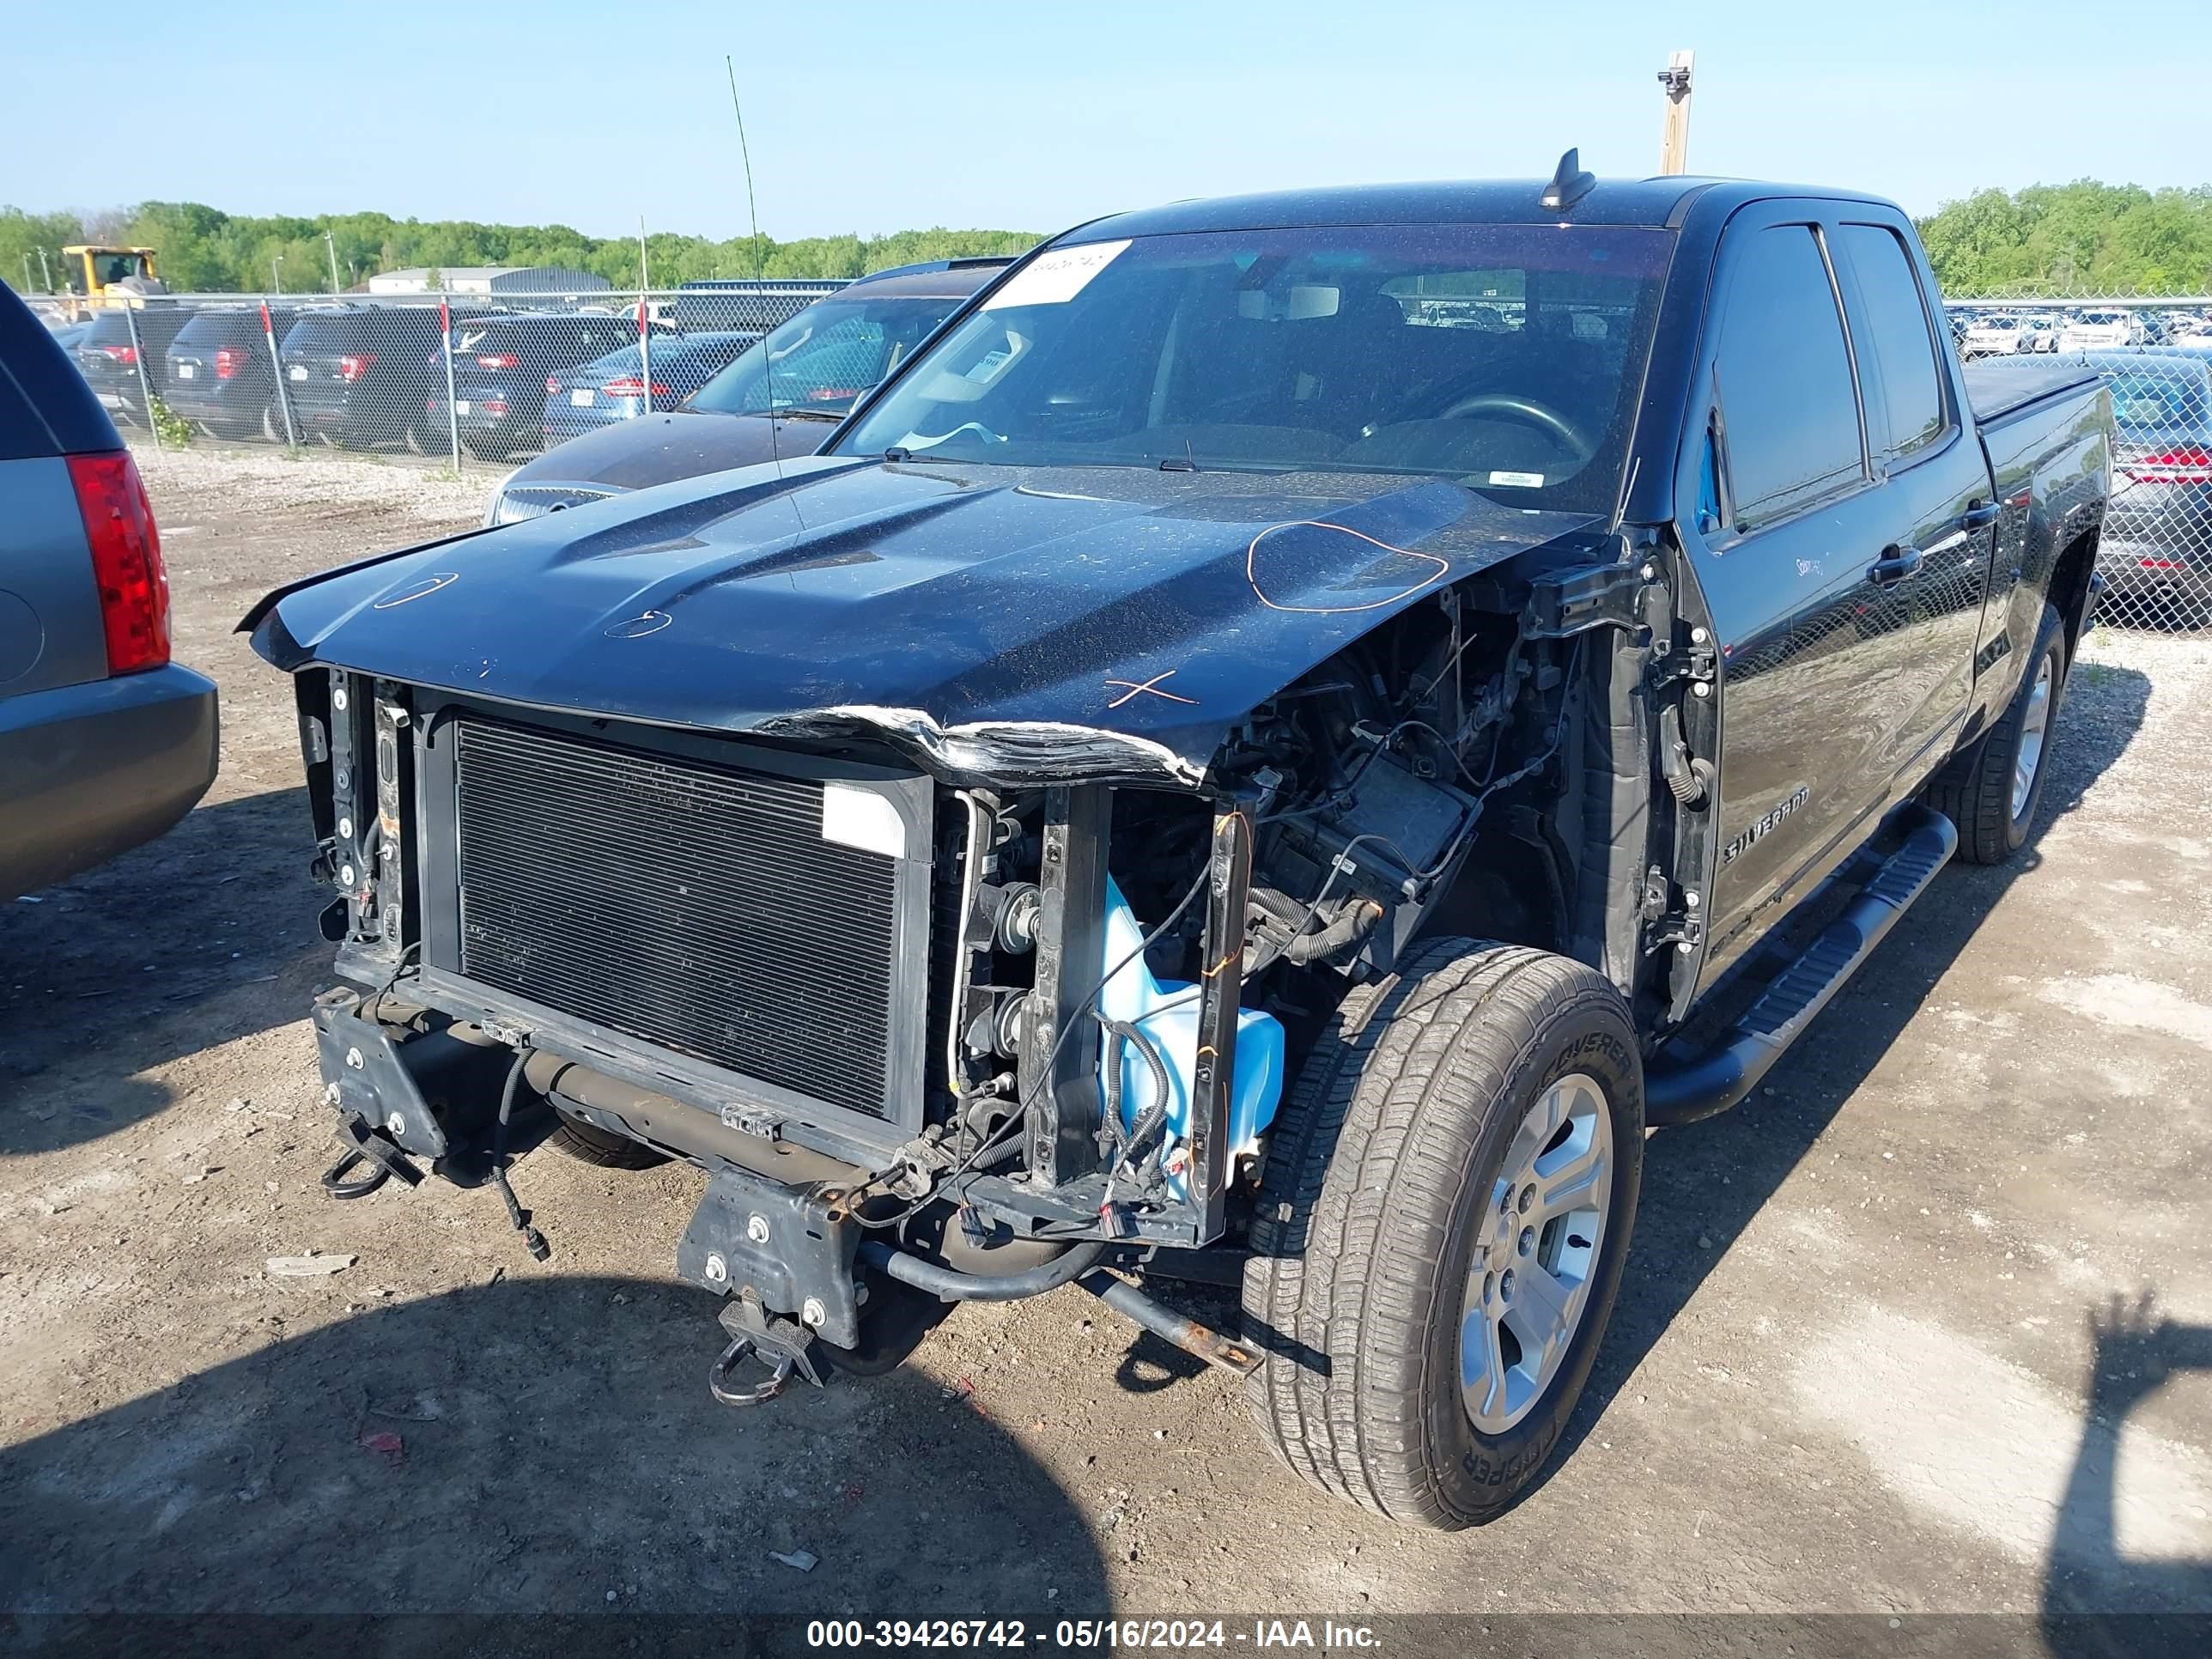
{"x": 1926, "y": 1326}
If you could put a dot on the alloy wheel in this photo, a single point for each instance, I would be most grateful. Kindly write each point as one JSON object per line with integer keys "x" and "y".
{"x": 2034, "y": 724}
{"x": 1536, "y": 1253}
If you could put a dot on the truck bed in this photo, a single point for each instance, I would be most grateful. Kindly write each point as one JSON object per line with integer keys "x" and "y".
{"x": 2001, "y": 387}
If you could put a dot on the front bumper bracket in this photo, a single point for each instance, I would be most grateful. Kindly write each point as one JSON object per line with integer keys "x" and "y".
{"x": 779, "y": 1247}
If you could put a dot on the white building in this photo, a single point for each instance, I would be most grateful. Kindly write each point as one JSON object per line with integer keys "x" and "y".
{"x": 554, "y": 280}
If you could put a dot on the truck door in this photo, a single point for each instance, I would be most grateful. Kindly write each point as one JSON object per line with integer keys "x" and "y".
{"x": 1816, "y": 659}
{"x": 1930, "y": 467}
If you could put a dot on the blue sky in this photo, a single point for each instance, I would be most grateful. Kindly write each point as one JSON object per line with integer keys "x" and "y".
{"x": 874, "y": 117}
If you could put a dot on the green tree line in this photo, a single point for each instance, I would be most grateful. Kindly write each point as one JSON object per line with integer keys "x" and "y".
{"x": 2084, "y": 237}
{"x": 202, "y": 249}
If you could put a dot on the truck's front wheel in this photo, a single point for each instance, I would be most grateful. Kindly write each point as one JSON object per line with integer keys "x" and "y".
{"x": 589, "y": 1144}
{"x": 1441, "y": 1232}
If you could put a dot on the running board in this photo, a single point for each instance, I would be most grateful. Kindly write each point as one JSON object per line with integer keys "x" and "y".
{"x": 1684, "y": 1089}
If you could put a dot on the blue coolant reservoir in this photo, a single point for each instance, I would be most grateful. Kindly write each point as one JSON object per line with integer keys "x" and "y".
{"x": 1166, "y": 1011}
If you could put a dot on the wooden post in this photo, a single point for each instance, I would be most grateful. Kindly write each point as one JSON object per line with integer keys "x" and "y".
{"x": 1675, "y": 133}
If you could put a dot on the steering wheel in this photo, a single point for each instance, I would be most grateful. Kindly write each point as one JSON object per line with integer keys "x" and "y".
{"x": 1524, "y": 411}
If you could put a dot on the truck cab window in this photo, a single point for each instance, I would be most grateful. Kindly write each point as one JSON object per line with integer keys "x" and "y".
{"x": 1785, "y": 375}
{"x": 1505, "y": 359}
{"x": 1911, "y": 408}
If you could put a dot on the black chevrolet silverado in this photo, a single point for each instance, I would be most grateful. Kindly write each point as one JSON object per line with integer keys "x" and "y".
{"x": 1266, "y": 749}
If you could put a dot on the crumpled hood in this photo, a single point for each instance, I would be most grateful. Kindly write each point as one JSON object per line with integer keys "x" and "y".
{"x": 1013, "y": 624}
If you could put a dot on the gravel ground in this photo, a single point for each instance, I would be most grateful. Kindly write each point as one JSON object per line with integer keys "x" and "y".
{"x": 1925, "y": 1327}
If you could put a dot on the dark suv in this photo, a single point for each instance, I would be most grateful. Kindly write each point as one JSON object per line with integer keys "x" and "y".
{"x": 504, "y": 366}
{"x": 220, "y": 375}
{"x": 108, "y": 351}
{"x": 104, "y": 742}
{"x": 788, "y": 392}
{"x": 359, "y": 376}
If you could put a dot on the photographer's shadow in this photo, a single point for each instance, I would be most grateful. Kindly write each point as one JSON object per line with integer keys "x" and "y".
{"x": 2097, "y": 1601}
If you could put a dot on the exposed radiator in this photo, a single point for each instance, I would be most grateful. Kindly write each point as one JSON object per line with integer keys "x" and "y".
{"x": 682, "y": 902}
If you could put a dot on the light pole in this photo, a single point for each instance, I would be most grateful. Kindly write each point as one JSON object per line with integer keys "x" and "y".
{"x": 45, "y": 274}
{"x": 276, "y": 272}
{"x": 333, "y": 247}
{"x": 27, "y": 273}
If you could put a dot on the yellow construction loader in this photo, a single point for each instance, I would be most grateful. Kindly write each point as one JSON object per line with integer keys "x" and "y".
{"x": 102, "y": 278}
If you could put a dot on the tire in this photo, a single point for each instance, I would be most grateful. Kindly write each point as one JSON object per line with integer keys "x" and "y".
{"x": 418, "y": 438}
{"x": 272, "y": 425}
{"x": 589, "y": 1144}
{"x": 1979, "y": 790}
{"x": 1378, "y": 1187}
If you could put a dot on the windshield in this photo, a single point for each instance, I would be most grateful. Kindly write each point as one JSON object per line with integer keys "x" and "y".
{"x": 116, "y": 267}
{"x": 1507, "y": 358}
{"x": 825, "y": 357}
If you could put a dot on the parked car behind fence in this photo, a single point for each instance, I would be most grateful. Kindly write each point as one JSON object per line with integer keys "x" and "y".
{"x": 221, "y": 374}
{"x": 2155, "y": 551}
{"x": 108, "y": 353}
{"x": 613, "y": 388}
{"x": 782, "y": 398}
{"x": 1998, "y": 337}
{"x": 2100, "y": 330}
{"x": 505, "y": 367}
{"x": 2156, "y": 555}
{"x": 370, "y": 373}
{"x": 361, "y": 377}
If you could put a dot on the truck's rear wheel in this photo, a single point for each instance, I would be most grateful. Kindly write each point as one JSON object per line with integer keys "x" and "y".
{"x": 1992, "y": 789}
{"x": 1441, "y": 1232}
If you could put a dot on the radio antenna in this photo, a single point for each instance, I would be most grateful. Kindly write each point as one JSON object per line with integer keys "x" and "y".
{"x": 768, "y": 357}
{"x": 752, "y": 207}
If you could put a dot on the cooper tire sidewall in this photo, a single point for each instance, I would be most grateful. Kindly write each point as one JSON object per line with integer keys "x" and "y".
{"x": 1481, "y": 1474}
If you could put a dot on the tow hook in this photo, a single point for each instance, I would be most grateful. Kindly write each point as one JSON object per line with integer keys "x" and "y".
{"x": 366, "y": 1146}
{"x": 781, "y": 1347}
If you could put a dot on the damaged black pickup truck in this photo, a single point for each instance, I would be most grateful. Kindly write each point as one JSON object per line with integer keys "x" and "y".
{"x": 1288, "y": 733}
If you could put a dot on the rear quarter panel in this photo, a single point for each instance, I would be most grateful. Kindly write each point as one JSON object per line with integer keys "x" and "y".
{"x": 2052, "y": 462}
{"x": 51, "y": 632}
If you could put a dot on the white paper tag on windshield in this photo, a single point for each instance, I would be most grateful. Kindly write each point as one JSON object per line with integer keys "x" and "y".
{"x": 1054, "y": 278}
{"x": 1519, "y": 480}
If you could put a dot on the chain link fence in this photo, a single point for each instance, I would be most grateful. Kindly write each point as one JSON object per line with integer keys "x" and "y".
{"x": 475, "y": 379}
{"x": 2155, "y": 353}
{"x": 488, "y": 381}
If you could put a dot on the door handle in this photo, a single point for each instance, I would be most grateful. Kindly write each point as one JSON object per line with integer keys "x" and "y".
{"x": 1979, "y": 516}
{"x": 1894, "y": 566}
